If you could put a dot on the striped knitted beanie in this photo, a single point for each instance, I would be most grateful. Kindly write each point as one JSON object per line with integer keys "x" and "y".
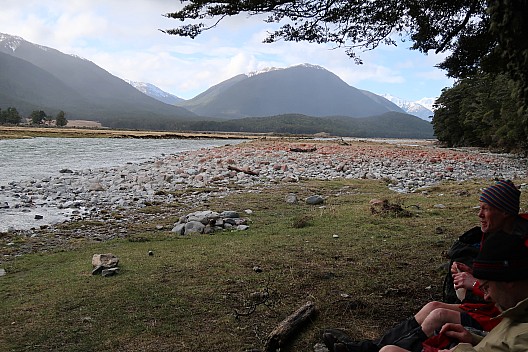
{"x": 503, "y": 257}
{"x": 503, "y": 196}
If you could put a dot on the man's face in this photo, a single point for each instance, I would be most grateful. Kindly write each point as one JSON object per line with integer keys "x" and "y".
{"x": 491, "y": 218}
{"x": 498, "y": 292}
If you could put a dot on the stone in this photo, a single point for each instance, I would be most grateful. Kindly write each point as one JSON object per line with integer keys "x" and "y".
{"x": 110, "y": 271}
{"x": 107, "y": 260}
{"x": 320, "y": 347}
{"x": 194, "y": 227}
{"x": 315, "y": 200}
{"x": 2, "y": 272}
{"x": 291, "y": 198}
{"x": 179, "y": 229}
{"x": 229, "y": 214}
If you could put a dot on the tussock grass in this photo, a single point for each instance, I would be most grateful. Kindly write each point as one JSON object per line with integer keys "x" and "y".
{"x": 201, "y": 292}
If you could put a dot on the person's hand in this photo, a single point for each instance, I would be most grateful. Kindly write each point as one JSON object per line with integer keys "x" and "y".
{"x": 457, "y": 267}
{"x": 463, "y": 280}
{"x": 457, "y": 332}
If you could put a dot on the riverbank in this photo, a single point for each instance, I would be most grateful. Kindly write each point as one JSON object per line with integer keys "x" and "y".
{"x": 92, "y": 194}
{"x": 9, "y": 132}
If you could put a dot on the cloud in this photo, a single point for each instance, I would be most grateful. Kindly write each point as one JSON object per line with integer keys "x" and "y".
{"x": 123, "y": 37}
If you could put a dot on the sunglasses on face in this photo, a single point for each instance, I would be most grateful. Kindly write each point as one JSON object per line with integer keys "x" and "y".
{"x": 484, "y": 287}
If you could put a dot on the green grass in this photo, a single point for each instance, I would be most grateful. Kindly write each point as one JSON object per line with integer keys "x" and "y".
{"x": 196, "y": 292}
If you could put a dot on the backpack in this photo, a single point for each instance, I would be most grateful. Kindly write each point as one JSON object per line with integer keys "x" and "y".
{"x": 464, "y": 250}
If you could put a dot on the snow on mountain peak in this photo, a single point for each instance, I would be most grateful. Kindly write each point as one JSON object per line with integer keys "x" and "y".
{"x": 269, "y": 69}
{"x": 264, "y": 70}
{"x": 421, "y": 108}
{"x": 10, "y": 41}
{"x": 154, "y": 92}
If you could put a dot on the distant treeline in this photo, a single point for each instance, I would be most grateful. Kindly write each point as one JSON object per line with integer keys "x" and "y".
{"x": 37, "y": 117}
{"x": 388, "y": 125}
{"x": 480, "y": 111}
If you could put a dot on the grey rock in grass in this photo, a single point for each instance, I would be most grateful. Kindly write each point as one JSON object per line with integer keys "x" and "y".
{"x": 208, "y": 222}
{"x": 194, "y": 227}
{"x": 291, "y": 198}
{"x": 110, "y": 271}
{"x": 179, "y": 228}
{"x": 229, "y": 214}
{"x": 315, "y": 200}
{"x": 102, "y": 262}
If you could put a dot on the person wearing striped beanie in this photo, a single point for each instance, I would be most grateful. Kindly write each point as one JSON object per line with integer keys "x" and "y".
{"x": 499, "y": 208}
{"x": 498, "y": 212}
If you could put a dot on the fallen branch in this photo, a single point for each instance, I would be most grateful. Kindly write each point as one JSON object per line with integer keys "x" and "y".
{"x": 246, "y": 171}
{"x": 303, "y": 150}
{"x": 279, "y": 336}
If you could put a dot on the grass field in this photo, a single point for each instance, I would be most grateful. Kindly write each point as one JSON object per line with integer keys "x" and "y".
{"x": 363, "y": 271}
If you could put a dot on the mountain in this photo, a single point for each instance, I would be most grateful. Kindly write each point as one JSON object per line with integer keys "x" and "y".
{"x": 38, "y": 77}
{"x": 417, "y": 108}
{"x": 156, "y": 93}
{"x": 303, "y": 89}
{"x": 298, "y": 99}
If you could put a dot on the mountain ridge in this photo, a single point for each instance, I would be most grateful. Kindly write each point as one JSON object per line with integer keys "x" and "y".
{"x": 92, "y": 94}
{"x": 41, "y": 78}
{"x": 303, "y": 89}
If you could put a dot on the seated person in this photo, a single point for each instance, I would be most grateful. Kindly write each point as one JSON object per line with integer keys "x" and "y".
{"x": 499, "y": 208}
{"x": 502, "y": 271}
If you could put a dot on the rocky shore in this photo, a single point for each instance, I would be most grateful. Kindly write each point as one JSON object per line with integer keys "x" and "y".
{"x": 93, "y": 194}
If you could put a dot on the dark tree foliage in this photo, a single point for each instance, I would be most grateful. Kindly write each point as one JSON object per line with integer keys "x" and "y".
{"x": 480, "y": 111}
{"x": 38, "y": 117}
{"x": 10, "y": 116}
{"x": 60, "y": 119}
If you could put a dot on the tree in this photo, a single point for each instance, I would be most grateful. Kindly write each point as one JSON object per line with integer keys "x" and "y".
{"x": 479, "y": 34}
{"x": 11, "y": 116}
{"x": 61, "y": 120}
{"x": 38, "y": 117}
{"x": 480, "y": 111}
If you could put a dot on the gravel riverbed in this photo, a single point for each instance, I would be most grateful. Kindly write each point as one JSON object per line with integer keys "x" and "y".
{"x": 39, "y": 204}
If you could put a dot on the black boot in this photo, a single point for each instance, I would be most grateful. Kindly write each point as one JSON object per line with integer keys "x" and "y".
{"x": 396, "y": 333}
{"x": 401, "y": 330}
{"x": 331, "y": 337}
{"x": 413, "y": 341}
{"x": 338, "y": 341}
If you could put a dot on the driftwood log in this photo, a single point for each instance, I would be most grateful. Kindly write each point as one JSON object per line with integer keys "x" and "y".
{"x": 279, "y": 336}
{"x": 246, "y": 171}
{"x": 303, "y": 150}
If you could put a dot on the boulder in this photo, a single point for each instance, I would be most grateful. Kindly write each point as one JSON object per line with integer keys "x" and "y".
{"x": 315, "y": 200}
{"x": 194, "y": 227}
{"x": 102, "y": 262}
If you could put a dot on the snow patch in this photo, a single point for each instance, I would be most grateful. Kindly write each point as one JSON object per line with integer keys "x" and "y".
{"x": 422, "y": 108}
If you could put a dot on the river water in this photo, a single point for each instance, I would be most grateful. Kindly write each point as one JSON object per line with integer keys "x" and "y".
{"x": 39, "y": 158}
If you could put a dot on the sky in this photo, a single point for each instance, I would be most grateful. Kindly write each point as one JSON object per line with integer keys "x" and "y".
{"x": 124, "y": 38}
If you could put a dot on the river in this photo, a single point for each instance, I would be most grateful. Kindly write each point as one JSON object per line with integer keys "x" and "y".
{"x": 41, "y": 157}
